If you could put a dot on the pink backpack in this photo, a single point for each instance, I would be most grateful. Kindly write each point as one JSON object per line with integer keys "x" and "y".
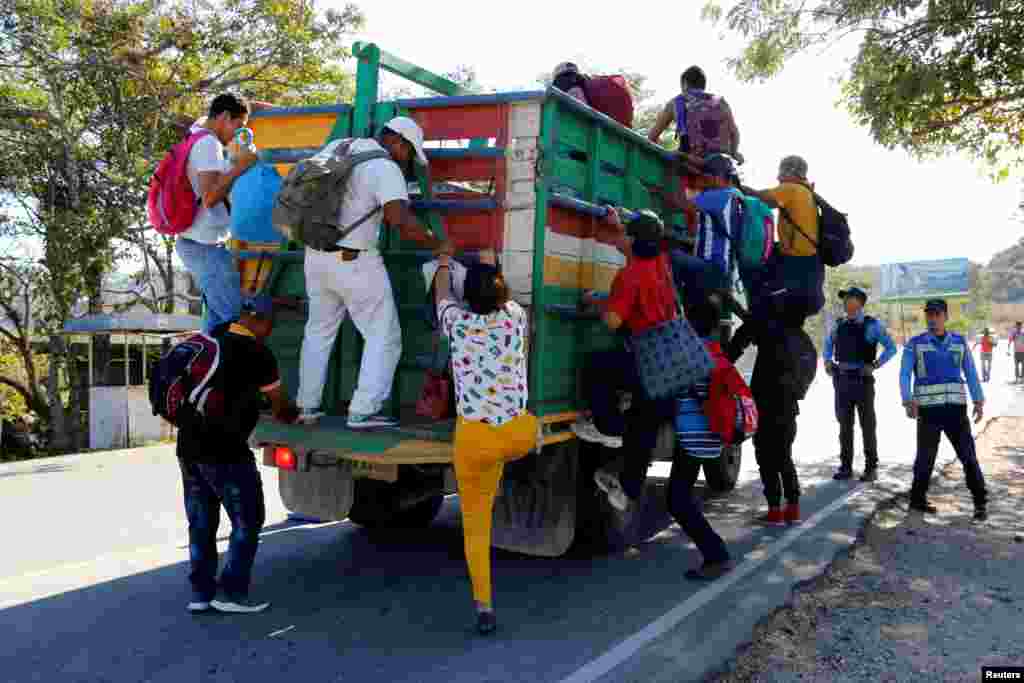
{"x": 706, "y": 122}
{"x": 173, "y": 204}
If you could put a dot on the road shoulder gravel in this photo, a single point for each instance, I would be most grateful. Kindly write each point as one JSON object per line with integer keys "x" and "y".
{"x": 915, "y": 598}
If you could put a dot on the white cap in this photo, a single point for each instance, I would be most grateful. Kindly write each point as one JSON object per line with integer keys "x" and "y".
{"x": 411, "y": 131}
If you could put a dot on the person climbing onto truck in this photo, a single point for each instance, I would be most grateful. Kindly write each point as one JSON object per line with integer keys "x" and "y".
{"x": 349, "y": 278}
{"x": 695, "y": 445}
{"x": 641, "y": 298}
{"x": 850, "y": 354}
{"x": 988, "y": 345}
{"x": 567, "y": 78}
{"x": 793, "y": 279}
{"x": 218, "y": 468}
{"x": 718, "y": 208}
{"x": 784, "y": 370}
{"x": 704, "y": 126}
{"x": 704, "y": 122}
{"x": 201, "y": 247}
{"x": 488, "y": 349}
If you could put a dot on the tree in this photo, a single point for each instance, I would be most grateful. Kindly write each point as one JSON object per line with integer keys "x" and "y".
{"x": 930, "y": 77}
{"x": 90, "y": 95}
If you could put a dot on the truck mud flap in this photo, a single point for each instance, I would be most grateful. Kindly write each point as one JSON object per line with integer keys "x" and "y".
{"x": 324, "y": 493}
{"x": 535, "y": 512}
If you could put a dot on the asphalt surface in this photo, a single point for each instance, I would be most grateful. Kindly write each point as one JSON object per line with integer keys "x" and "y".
{"x": 93, "y": 579}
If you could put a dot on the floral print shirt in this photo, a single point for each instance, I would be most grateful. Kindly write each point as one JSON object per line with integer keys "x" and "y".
{"x": 488, "y": 361}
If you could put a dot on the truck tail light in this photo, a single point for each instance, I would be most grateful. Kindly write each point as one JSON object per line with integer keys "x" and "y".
{"x": 284, "y": 458}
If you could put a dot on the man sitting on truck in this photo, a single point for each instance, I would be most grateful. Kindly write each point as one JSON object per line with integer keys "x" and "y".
{"x": 218, "y": 468}
{"x": 350, "y": 279}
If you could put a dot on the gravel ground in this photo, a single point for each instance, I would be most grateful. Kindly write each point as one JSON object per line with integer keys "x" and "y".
{"x": 917, "y": 598}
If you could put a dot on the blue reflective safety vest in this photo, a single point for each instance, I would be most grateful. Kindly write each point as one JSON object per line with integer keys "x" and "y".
{"x": 942, "y": 371}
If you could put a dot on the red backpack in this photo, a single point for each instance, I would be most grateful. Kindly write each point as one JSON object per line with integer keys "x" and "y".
{"x": 730, "y": 408}
{"x": 173, "y": 204}
{"x": 185, "y": 387}
{"x": 610, "y": 95}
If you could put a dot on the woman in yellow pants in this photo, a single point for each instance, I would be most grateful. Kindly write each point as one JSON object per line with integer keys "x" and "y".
{"x": 488, "y": 343}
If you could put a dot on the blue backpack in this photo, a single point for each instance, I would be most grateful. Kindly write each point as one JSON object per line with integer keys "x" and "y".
{"x": 752, "y": 228}
{"x": 757, "y": 234}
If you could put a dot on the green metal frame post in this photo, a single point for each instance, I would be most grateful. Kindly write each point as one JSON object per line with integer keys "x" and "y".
{"x": 367, "y": 85}
{"x": 549, "y": 122}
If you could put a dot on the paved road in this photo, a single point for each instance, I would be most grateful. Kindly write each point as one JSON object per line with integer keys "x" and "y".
{"x": 92, "y": 580}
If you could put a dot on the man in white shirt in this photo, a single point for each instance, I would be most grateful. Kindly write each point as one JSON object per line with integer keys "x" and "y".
{"x": 201, "y": 247}
{"x": 350, "y": 279}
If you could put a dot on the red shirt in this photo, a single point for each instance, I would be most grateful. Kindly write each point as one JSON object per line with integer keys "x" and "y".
{"x": 986, "y": 344}
{"x": 642, "y": 294}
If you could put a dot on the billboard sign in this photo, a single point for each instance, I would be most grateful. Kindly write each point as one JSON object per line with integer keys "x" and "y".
{"x": 924, "y": 279}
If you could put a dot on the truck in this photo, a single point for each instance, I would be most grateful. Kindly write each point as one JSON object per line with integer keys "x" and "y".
{"x": 528, "y": 174}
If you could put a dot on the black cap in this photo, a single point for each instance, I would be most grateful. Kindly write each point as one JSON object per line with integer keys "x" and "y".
{"x": 646, "y": 226}
{"x": 854, "y": 291}
{"x": 936, "y": 305}
{"x": 719, "y": 166}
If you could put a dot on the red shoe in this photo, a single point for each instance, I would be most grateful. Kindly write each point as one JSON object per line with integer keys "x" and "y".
{"x": 773, "y": 518}
{"x": 792, "y": 513}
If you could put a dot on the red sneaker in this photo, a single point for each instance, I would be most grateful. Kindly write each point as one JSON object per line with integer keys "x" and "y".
{"x": 773, "y": 518}
{"x": 792, "y": 513}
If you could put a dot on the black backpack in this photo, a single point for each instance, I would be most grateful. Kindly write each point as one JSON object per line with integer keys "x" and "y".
{"x": 803, "y": 359}
{"x": 836, "y": 246}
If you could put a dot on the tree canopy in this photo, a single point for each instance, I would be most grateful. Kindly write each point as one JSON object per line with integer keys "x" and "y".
{"x": 929, "y": 76}
{"x": 92, "y": 95}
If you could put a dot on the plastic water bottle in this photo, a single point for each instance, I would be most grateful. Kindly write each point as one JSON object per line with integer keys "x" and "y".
{"x": 245, "y": 139}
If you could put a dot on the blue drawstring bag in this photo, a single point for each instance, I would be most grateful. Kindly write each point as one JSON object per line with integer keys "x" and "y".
{"x": 252, "y": 200}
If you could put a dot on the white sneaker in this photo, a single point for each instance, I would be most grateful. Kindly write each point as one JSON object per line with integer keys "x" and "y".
{"x": 238, "y": 607}
{"x": 378, "y": 420}
{"x": 198, "y": 607}
{"x": 587, "y": 431}
{"x": 310, "y": 416}
{"x": 611, "y": 487}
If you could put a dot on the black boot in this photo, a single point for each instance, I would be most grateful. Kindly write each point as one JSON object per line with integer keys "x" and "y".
{"x": 870, "y": 471}
{"x": 845, "y": 472}
{"x": 980, "y": 512}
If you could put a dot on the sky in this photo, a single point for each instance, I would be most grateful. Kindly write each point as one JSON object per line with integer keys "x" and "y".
{"x": 899, "y": 209}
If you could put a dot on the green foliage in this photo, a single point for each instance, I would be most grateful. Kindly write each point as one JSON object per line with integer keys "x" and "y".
{"x": 930, "y": 77}
{"x": 92, "y": 95}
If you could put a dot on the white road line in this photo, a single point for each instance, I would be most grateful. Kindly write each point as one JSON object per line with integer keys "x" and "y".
{"x": 622, "y": 652}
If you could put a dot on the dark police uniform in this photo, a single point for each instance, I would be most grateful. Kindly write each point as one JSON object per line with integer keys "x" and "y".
{"x": 849, "y": 349}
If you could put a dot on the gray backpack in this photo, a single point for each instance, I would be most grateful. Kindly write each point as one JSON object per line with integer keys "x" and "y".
{"x": 309, "y": 201}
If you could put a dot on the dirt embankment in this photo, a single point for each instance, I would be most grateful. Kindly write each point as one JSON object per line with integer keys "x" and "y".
{"x": 917, "y": 598}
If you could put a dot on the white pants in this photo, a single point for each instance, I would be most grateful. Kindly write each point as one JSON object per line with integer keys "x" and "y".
{"x": 360, "y": 288}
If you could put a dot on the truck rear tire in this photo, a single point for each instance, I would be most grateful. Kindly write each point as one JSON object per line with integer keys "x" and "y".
{"x": 721, "y": 474}
{"x": 378, "y": 506}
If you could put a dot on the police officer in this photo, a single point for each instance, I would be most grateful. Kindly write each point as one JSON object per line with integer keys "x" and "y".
{"x": 939, "y": 362}
{"x": 851, "y": 358}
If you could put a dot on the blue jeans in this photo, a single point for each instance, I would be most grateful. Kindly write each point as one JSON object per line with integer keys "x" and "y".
{"x": 216, "y": 274}
{"x": 238, "y": 487}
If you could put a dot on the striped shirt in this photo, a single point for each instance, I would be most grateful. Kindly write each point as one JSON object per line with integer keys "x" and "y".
{"x": 693, "y": 433}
